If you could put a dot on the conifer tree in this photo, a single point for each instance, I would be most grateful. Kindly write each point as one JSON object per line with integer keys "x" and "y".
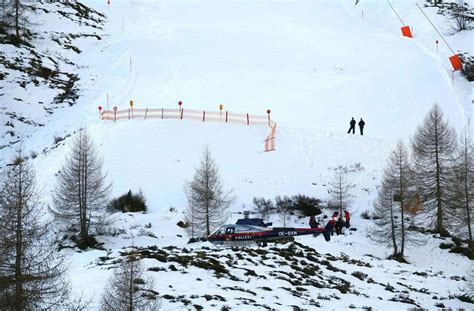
{"x": 129, "y": 288}
{"x": 340, "y": 191}
{"x": 207, "y": 202}
{"x": 32, "y": 272}
{"x": 81, "y": 196}
{"x": 434, "y": 145}
{"x": 15, "y": 15}
{"x": 462, "y": 188}
{"x": 396, "y": 191}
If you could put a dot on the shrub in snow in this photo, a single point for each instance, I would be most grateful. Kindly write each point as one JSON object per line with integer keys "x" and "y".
{"x": 303, "y": 204}
{"x": 468, "y": 66}
{"x": 360, "y": 275}
{"x": 263, "y": 206}
{"x": 129, "y": 202}
{"x": 308, "y": 206}
{"x": 365, "y": 214}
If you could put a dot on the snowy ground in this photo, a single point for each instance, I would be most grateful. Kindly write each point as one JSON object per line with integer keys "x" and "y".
{"x": 315, "y": 64}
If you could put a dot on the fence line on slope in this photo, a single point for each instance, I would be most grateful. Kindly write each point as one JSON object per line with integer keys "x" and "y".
{"x": 195, "y": 115}
{"x": 186, "y": 114}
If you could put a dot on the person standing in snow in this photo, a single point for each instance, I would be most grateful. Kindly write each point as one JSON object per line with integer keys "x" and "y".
{"x": 353, "y": 125}
{"x": 361, "y": 126}
{"x": 348, "y": 218}
{"x": 337, "y": 222}
{"x": 312, "y": 222}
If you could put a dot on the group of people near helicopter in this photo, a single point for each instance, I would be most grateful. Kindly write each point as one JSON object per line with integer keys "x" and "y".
{"x": 337, "y": 221}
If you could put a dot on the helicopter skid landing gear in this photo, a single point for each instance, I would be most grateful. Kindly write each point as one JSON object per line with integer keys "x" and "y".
{"x": 262, "y": 244}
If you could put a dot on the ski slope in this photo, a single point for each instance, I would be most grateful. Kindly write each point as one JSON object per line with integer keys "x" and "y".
{"x": 315, "y": 64}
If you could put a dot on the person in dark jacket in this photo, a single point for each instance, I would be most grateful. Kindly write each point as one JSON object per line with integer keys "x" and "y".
{"x": 312, "y": 222}
{"x": 339, "y": 225}
{"x": 348, "y": 218}
{"x": 361, "y": 126}
{"x": 353, "y": 125}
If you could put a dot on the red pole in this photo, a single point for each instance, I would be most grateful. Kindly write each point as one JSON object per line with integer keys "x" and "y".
{"x": 129, "y": 113}
{"x": 437, "y": 46}
{"x": 146, "y": 112}
{"x": 203, "y": 115}
{"x": 162, "y": 113}
{"x": 226, "y": 116}
{"x": 248, "y": 121}
{"x": 268, "y": 113}
{"x": 115, "y": 115}
{"x": 182, "y": 111}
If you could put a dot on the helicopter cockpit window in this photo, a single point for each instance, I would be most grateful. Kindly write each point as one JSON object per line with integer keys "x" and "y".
{"x": 229, "y": 230}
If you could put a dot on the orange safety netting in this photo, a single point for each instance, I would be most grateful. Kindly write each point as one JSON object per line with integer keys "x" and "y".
{"x": 185, "y": 114}
{"x": 270, "y": 141}
{"x": 197, "y": 115}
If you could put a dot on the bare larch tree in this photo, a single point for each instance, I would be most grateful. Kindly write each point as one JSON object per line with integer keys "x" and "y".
{"x": 207, "y": 202}
{"x": 129, "y": 288}
{"x": 15, "y": 15}
{"x": 396, "y": 191}
{"x": 32, "y": 272}
{"x": 434, "y": 145}
{"x": 463, "y": 188}
{"x": 81, "y": 196}
{"x": 340, "y": 191}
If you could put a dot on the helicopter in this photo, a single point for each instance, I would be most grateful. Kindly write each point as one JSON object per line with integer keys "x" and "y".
{"x": 254, "y": 230}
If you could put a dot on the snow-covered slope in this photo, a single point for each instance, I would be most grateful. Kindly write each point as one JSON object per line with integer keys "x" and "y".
{"x": 316, "y": 64}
